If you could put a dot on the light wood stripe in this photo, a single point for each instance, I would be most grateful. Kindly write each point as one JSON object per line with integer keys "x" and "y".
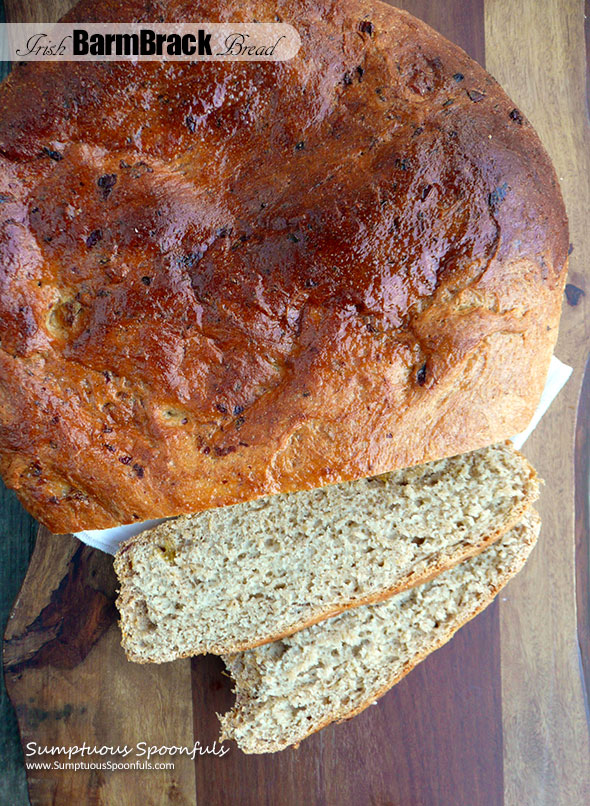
{"x": 535, "y": 48}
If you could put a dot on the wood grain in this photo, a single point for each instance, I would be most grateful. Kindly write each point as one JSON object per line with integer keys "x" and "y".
{"x": 70, "y": 682}
{"x": 35, "y": 10}
{"x": 537, "y": 52}
{"x": 582, "y": 500}
{"x": 461, "y": 21}
{"x": 17, "y": 540}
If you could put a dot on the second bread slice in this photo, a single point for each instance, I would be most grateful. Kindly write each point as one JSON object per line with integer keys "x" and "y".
{"x": 234, "y": 578}
{"x": 333, "y": 671}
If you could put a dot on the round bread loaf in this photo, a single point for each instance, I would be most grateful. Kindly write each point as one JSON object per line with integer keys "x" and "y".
{"x": 222, "y": 281}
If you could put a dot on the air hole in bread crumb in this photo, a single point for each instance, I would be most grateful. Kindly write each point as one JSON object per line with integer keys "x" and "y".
{"x": 168, "y": 553}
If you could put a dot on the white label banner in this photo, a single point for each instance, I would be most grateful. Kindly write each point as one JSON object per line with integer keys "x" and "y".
{"x": 135, "y": 42}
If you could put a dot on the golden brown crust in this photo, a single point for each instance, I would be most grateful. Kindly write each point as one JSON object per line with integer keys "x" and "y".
{"x": 529, "y": 541}
{"x": 458, "y": 554}
{"x": 223, "y": 281}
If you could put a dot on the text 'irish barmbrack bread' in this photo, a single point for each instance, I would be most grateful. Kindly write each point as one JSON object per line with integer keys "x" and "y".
{"x": 223, "y": 281}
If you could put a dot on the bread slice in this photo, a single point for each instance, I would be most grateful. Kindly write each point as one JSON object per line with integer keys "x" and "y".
{"x": 332, "y": 671}
{"x": 239, "y": 576}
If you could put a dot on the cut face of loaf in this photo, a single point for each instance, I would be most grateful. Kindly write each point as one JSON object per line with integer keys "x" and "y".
{"x": 331, "y": 671}
{"x": 237, "y": 577}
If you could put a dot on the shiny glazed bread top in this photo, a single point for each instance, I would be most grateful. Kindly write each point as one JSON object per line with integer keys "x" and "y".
{"x": 227, "y": 280}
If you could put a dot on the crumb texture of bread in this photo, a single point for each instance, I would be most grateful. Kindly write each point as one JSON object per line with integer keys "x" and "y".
{"x": 333, "y": 670}
{"x": 223, "y": 281}
{"x": 236, "y": 577}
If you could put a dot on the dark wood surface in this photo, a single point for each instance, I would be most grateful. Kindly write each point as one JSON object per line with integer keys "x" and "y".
{"x": 397, "y": 752}
{"x": 17, "y": 539}
{"x": 494, "y": 718}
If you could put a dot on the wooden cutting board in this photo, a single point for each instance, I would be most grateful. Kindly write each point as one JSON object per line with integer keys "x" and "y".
{"x": 495, "y": 718}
